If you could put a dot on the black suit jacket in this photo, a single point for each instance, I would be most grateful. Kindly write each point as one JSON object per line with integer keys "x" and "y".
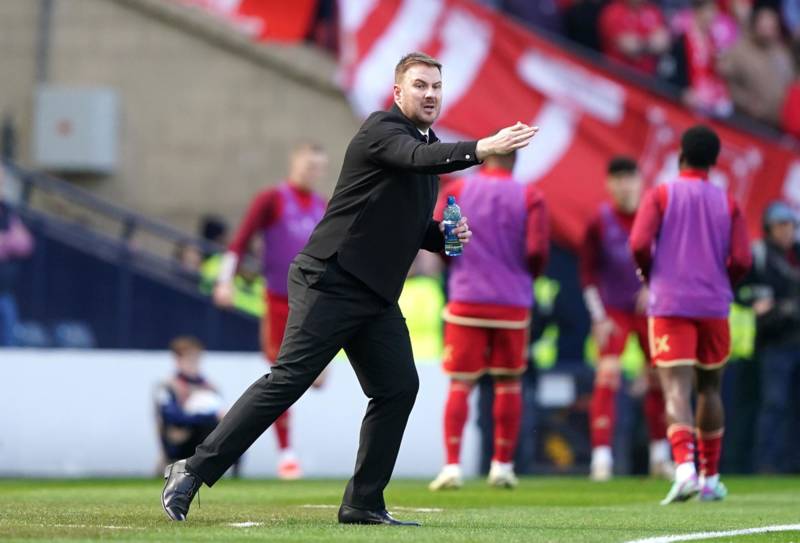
{"x": 381, "y": 211}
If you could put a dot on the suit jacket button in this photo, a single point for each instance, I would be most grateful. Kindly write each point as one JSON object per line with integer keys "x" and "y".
{"x": 467, "y": 157}
{"x": 447, "y": 160}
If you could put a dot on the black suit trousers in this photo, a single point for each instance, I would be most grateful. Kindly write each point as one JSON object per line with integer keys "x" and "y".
{"x": 329, "y": 309}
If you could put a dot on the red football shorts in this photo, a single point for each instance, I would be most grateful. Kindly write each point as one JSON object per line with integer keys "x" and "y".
{"x": 684, "y": 341}
{"x": 625, "y": 323}
{"x": 475, "y": 345}
{"x": 273, "y": 325}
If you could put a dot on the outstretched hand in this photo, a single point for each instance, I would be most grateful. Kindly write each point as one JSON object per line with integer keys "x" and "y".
{"x": 507, "y": 140}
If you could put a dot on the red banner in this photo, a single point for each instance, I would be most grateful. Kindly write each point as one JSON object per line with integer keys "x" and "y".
{"x": 496, "y": 72}
{"x": 264, "y": 20}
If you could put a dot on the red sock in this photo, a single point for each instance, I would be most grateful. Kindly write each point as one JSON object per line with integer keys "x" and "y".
{"x": 281, "y": 425}
{"x": 681, "y": 438}
{"x": 709, "y": 449}
{"x": 602, "y": 414}
{"x": 654, "y": 413}
{"x": 507, "y": 411}
{"x": 455, "y": 417}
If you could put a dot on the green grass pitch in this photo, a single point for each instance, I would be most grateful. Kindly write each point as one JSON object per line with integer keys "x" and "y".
{"x": 541, "y": 509}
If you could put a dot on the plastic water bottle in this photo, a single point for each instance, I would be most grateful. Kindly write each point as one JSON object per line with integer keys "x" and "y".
{"x": 452, "y": 214}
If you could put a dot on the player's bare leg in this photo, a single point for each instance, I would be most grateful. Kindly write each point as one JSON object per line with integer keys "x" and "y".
{"x": 677, "y": 384}
{"x": 602, "y": 416}
{"x": 661, "y": 464}
{"x": 456, "y": 412}
{"x": 710, "y": 426}
{"x": 507, "y": 411}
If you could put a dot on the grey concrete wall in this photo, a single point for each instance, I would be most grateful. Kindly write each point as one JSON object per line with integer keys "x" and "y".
{"x": 207, "y": 117}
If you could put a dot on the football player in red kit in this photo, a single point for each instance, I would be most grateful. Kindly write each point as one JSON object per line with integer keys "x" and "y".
{"x": 690, "y": 242}
{"x": 284, "y": 216}
{"x": 617, "y": 300}
{"x": 487, "y": 317}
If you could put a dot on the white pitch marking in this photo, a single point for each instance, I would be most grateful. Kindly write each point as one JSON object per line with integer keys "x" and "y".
{"x": 89, "y": 526}
{"x": 248, "y": 524}
{"x": 712, "y": 535}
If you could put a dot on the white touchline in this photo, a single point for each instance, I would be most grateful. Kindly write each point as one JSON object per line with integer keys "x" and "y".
{"x": 245, "y": 524}
{"x": 711, "y": 535}
{"x": 88, "y": 526}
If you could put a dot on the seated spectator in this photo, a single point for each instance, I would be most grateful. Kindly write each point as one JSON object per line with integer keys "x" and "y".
{"x": 634, "y": 32}
{"x": 16, "y": 243}
{"x": 581, "y": 22}
{"x": 696, "y": 55}
{"x": 188, "y": 408}
{"x": 791, "y": 105}
{"x": 758, "y": 68}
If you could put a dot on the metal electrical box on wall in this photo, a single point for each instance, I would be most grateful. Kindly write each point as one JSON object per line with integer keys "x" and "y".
{"x": 76, "y": 129}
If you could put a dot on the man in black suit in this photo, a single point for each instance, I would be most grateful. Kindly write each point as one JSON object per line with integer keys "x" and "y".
{"x": 343, "y": 291}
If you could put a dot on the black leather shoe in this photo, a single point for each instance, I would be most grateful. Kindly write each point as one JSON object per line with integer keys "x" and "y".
{"x": 179, "y": 490}
{"x": 351, "y": 515}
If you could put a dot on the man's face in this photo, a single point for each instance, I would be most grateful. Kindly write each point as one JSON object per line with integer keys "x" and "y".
{"x": 306, "y": 168}
{"x": 767, "y": 28}
{"x": 419, "y": 94}
{"x": 625, "y": 190}
{"x": 189, "y": 363}
{"x": 783, "y": 234}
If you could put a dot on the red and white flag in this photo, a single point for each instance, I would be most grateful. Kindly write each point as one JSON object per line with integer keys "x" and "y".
{"x": 264, "y": 20}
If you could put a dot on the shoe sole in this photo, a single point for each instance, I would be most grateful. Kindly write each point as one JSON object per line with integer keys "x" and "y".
{"x": 167, "y": 474}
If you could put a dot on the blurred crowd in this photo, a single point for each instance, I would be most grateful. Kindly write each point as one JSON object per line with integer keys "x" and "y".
{"x": 724, "y": 55}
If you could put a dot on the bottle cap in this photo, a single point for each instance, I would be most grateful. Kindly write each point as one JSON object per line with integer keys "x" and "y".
{"x": 451, "y": 200}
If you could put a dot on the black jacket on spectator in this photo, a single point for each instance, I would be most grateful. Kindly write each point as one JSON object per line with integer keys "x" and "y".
{"x": 776, "y": 273}
{"x": 381, "y": 211}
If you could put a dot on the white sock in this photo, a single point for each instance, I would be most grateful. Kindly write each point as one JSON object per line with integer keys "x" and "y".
{"x": 602, "y": 455}
{"x": 659, "y": 451}
{"x": 711, "y": 481}
{"x": 685, "y": 471}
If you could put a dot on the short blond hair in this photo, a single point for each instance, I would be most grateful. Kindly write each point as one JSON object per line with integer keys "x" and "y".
{"x": 417, "y": 57}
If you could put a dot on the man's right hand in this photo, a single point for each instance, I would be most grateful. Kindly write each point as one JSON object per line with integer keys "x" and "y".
{"x": 223, "y": 294}
{"x": 507, "y": 140}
